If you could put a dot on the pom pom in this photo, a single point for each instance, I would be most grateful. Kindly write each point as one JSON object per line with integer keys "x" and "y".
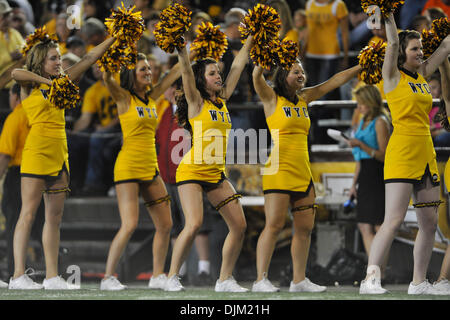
{"x": 263, "y": 22}
{"x": 174, "y": 22}
{"x": 39, "y": 35}
{"x": 386, "y": 6}
{"x": 125, "y": 25}
{"x": 119, "y": 55}
{"x": 263, "y": 55}
{"x": 287, "y": 53}
{"x": 431, "y": 39}
{"x": 64, "y": 94}
{"x": 371, "y": 61}
{"x": 210, "y": 42}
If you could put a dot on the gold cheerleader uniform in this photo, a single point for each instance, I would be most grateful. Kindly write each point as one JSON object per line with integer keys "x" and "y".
{"x": 204, "y": 163}
{"x": 410, "y": 154}
{"x": 288, "y": 169}
{"x": 45, "y": 152}
{"x": 137, "y": 161}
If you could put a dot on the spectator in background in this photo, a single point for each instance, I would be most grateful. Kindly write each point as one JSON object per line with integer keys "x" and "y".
{"x": 93, "y": 32}
{"x": 441, "y": 137}
{"x": 434, "y": 13}
{"x": 408, "y": 11}
{"x": 76, "y": 45}
{"x": 288, "y": 30}
{"x": 99, "y": 110}
{"x": 63, "y": 32}
{"x": 300, "y": 26}
{"x": 19, "y": 20}
{"x": 54, "y": 8}
{"x": 12, "y": 140}
{"x": 198, "y": 18}
{"x": 147, "y": 43}
{"x": 96, "y": 9}
{"x": 441, "y": 4}
{"x": 145, "y": 7}
{"x": 359, "y": 32}
{"x": 26, "y": 8}
{"x": 10, "y": 43}
{"x": 420, "y": 22}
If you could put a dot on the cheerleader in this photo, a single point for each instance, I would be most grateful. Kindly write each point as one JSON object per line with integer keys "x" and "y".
{"x": 410, "y": 163}
{"x": 287, "y": 179}
{"x": 45, "y": 167}
{"x": 202, "y": 111}
{"x": 136, "y": 167}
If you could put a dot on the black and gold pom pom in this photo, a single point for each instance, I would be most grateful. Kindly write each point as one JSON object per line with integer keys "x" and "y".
{"x": 174, "y": 22}
{"x": 287, "y": 53}
{"x": 371, "y": 61}
{"x": 210, "y": 42}
{"x": 386, "y": 6}
{"x": 431, "y": 39}
{"x": 119, "y": 55}
{"x": 125, "y": 25}
{"x": 263, "y": 22}
{"x": 265, "y": 55}
{"x": 39, "y": 35}
{"x": 64, "y": 94}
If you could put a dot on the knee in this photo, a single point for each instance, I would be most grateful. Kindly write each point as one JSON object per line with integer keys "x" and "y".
{"x": 193, "y": 227}
{"x": 165, "y": 227}
{"x": 274, "y": 227}
{"x": 304, "y": 231}
{"x": 129, "y": 227}
{"x": 240, "y": 228}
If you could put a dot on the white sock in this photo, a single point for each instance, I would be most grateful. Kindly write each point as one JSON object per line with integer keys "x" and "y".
{"x": 183, "y": 270}
{"x": 374, "y": 270}
{"x": 203, "y": 266}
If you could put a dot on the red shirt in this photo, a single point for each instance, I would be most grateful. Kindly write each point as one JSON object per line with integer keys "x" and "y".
{"x": 437, "y": 4}
{"x": 164, "y": 145}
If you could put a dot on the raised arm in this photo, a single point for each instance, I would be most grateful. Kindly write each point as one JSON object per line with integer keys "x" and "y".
{"x": 265, "y": 92}
{"x": 193, "y": 97}
{"x": 119, "y": 94}
{"x": 313, "y": 93}
{"x": 390, "y": 73}
{"x": 237, "y": 66}
{"x": 23, "y": 76}
{"x": 76, "y": 71}
{"x": 430, "y": 65}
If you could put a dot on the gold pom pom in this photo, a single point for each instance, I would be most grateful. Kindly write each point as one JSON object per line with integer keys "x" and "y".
{"x": 119, "y": 55}
{"x": 287, "y": 53}
{"x": 39, "y": 35}
{"x": 125, "y": 25}
{"x": 386, "y": 6}
{"x": 431, "y": 39}
{"x": 263, "y": 22}
{"x": 263, "y": 54}
{"x": 64, "y": 94}
{"x": 174, "y": 22}
{"x": 371, "y": 61}
{"x": 210, "y": 42}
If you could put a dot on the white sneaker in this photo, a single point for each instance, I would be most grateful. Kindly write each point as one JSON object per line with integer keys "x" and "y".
{"x": 173, "y": 284}
{"x": 306, "y": 286}
{"x": 229, "y": 285}
{"x": 111, "y": 284}
{"x": 264, "y": 285}
{"x": 371, "y": 285}
{"x": 24, "y": 282}
{"x": 58, "y": 283}
{"x": 3, "y": 285}
{"x": 423, "y": 288}
{"x": 158, "y": 282}
{"x": 442, "y": 286}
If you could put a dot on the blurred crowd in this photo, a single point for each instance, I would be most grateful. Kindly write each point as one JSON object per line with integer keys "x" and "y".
{"x": 330, "y": 34}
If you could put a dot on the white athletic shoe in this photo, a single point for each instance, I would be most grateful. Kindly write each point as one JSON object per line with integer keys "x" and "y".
{"x": 24, "y": 282}
{"x": 264, "y": 285}
{"x": 158, "y": 282}
{"x": 3, "y": 285}
{"x": 306, "y": 286}
{"x": 111, "y": 284}
{"x": 442, "y": 286}
{"x": 229, "y": 285}
{"x": 423, "y": 288}
{"x": 57, "y": 283}
{"x": 371, "y": 285}
{"x": 173, "y": 284}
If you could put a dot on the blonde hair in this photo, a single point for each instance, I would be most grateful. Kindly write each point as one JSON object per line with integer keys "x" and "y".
{"x": 370, "y": 96}
{"x": 36, "y": 56}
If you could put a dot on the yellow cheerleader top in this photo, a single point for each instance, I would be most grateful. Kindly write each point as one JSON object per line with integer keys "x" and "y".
{"x": 210, "y": 130}
{"x": 44, "y": 118}
{"x": 291, "y": 121}
{"x": 410, "y": 103}
{"x": 139, "y": 122}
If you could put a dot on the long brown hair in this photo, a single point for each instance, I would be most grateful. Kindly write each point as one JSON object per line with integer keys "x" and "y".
{"x": 404, "y": 38}
{"x": 36, "y": 57}
{"x": 279, "y": 83}
{"x": 199, "y": 68}
{"x": 370, "y": 95}
{"x": 128, "y": 76}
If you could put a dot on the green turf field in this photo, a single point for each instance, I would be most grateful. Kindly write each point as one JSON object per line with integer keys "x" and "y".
{"x": 138, "y": 291}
